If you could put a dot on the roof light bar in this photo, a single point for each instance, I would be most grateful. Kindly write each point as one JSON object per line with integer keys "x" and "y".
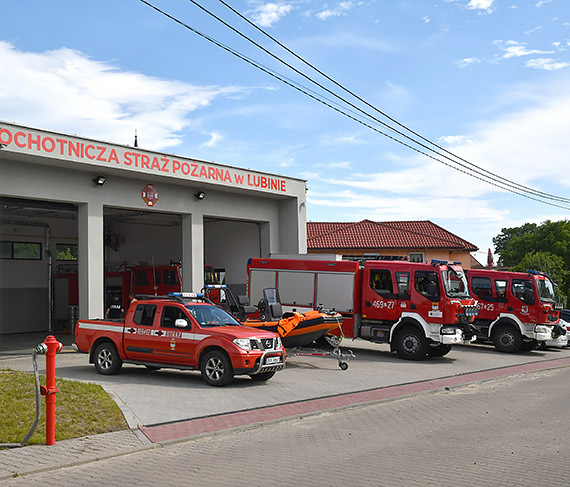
{"x": 186, "y": 295}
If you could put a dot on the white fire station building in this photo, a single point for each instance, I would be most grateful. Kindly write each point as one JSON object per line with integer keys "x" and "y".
{"x": 82, "y": 208}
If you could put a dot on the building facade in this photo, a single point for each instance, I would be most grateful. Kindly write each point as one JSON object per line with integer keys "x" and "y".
{"x": 72, "y": 204}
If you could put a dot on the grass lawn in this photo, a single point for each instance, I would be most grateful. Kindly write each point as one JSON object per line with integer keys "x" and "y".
{"x": 81, "y": 409}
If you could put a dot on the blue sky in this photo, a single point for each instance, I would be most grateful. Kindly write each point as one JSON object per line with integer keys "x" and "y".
{"x": 485, "y": 79}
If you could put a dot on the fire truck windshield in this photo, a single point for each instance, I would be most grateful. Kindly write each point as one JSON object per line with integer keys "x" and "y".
{"x": 545, "y": 290}
{"x": 455, "y": 283}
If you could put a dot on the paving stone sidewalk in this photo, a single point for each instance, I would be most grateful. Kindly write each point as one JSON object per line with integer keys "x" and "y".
{"x": 16, "y": 462}
{"x": 38, "y": 458}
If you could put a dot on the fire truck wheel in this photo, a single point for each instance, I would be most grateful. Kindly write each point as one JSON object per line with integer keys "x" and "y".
{"x": 107, "y": 360}
{"x": 507, "y": 339}
{"x": 262, "y": 376}
{"x": 439, "y": 351}
{"x": 411, "y": 344}
{"x": 217, "y": 369}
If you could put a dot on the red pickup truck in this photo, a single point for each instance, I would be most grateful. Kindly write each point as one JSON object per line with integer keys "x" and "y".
{"x": 183, "y": 331}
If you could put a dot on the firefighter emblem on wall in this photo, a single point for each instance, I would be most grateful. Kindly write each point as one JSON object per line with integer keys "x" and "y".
{"x": 149, "y": 195}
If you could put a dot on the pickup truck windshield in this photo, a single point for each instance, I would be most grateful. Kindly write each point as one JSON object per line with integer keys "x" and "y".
{"x": 455, "y": 283}
{"x": 546, "y": 290}
{"x": 207, "y": 315}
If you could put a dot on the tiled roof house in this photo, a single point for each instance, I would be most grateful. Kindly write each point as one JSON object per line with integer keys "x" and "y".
{"x": 419, "y": 241}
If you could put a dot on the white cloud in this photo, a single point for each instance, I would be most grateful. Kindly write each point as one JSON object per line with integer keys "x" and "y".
{"x": 94, "y": 98}
{"x": 540, "y": 3}
{"x": 426, "y": 19}
{"x": 517, "y": 49}
{"x": 527, "y": 147}
{"x": 385, "y": 207}
{"x": 214, "y": 139}
{"x": 546, "y": 64}
{"x": 486, "y": 5}
{"x": 463, "y": 63}
{"x": 527, "y": 32}
{"x": 455, "y": 139}
{"x": 270, "y": 13}
{"x": 339, "y": 11}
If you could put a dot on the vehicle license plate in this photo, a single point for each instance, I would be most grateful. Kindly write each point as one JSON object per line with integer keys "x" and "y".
{"x": 272, "y": 360}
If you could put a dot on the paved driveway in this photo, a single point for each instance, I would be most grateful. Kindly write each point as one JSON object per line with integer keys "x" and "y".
{"x": 153, "y": 397}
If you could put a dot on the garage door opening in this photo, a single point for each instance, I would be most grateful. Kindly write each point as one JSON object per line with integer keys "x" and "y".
{"x": 35, "y": 238}
{"x": 228, "y": 244}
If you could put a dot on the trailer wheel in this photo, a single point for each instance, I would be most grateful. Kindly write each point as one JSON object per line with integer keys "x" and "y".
{"x": 343, "y": 365}
{"x": 107, "y": 360}
{"x": 439, "y": 351}
{"x": 411, "y": 344}
{"x": 507, "y": 339}
{"x": 262, "y": 376}
{"x": 216, "y": 369}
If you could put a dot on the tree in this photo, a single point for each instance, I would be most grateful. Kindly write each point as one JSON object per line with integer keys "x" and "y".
{"x": 519, "y": 247}
{"x": 546, "y": 262}
{"x": 510, "y": 240}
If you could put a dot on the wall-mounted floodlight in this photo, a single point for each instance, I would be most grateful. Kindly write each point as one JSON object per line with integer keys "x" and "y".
{"x": 200, "y": 195}
{"x": 99, "y": 180}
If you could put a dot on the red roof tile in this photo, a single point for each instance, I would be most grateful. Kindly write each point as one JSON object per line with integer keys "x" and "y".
{"x": 367, "y": 234}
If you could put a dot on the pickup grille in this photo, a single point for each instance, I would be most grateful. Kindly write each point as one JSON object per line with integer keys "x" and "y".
{"x": 268, "y": 343}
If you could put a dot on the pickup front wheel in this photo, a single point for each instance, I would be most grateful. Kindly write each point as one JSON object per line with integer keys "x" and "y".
{"x": 107, "y": 360}
{"x": 217, "y": 369}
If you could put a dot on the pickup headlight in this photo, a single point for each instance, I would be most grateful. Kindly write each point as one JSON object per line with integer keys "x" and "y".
{"x": 542, "y": 329}
{"x": 278, "y": 343}
{"x": 246, "y": 343}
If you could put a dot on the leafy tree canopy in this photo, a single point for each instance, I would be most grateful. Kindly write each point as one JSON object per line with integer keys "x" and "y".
{"x": 551, "y": 264}
{"x": 544, "y": 247}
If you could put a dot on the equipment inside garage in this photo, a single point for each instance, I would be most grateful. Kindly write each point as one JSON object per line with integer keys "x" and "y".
{"x": 40, "y": 256}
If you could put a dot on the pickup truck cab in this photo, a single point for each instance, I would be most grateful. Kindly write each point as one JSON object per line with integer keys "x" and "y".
{"x": 183, "y": 331}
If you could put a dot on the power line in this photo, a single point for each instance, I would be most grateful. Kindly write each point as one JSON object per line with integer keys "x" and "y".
{"x": 329, "y": 104}
{"x": 491, "y": 174}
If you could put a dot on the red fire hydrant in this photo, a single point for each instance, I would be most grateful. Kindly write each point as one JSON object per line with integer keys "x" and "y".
{"x": 50, "y": 347}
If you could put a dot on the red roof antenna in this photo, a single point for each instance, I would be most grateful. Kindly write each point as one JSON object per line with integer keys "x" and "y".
{"x": 136, "y": 140}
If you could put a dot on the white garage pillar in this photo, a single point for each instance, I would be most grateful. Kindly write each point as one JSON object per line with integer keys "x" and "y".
{"x": 265, "y": 239}
{"x": 192, "y": 252}
{"x": 91, "y": 261}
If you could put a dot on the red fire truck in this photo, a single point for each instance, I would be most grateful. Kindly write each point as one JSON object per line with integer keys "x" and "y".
{"x": 420, "y": 309}
{"x": 516, "y": 309}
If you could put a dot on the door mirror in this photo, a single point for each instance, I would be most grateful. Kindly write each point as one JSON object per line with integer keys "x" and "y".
{"x": 180, "y": 323}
